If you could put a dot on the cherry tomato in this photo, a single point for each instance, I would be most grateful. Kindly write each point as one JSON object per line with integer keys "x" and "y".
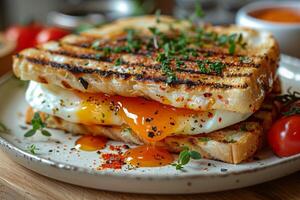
{"x": 23, "y": 35}
{"x": 50, "y": 33}
{"x": 284, "y": 136}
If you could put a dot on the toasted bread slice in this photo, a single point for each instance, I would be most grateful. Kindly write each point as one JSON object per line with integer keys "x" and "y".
{"x": 74, "y": 63}
{"x": 232, "y": 145}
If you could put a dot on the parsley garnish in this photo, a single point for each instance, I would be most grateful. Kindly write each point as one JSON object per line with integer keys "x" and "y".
{"x": 118, "y": 62}
{"x": 205, "y": 66}
{"x": 157, "y": 15}
{"x": 32, "y": 148}
{"x": 231, "y": 41}
{"x": 3, "y": 128}
{"x": 198, "y": 14}
{"x": 165, "y": 67}
{"x": 185, "y": 156}
{"x": 133, "y": 43}
{"x": 37, "y": 125}
{"x": 198, "y": 10}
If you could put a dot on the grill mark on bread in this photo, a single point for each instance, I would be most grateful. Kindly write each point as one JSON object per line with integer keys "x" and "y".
{"x": 42, "y": 79}
{"x": 155, "y": 67}
{"x": 217, "y": 54}
{"x": 139, "y": 77}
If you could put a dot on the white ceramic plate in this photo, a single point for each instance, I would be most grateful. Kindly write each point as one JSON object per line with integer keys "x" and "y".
{"x": 56, "y": 157}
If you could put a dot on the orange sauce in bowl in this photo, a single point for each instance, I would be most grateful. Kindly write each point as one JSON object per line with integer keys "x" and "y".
{"x": 279, "y": 15}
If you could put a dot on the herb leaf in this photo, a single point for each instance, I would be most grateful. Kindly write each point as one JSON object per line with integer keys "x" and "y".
{"x": 157, "y": 15}
{"x": 30, "y": 133}
{"x": 32, "y": 148}
{"x": 184, "y": 158}
{"x": 195, "y": 155}
{"x": 46, "y": 133}
{"x": 37, "y": 125}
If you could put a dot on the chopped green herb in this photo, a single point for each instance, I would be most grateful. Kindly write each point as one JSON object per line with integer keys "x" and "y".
{"x": 37, "y": 125}
{"x": 32, "y": 149}
{"x": 107, "y": 51}
{"x": 198, "y": 9}
{"x": 157, "y": 15}
{"x": 185, "y": 156}
{"x": 118, "y": 62}
{"x": 205, "y": 66}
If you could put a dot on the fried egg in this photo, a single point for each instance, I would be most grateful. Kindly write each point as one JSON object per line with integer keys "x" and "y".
{"x": 149, "y": 119}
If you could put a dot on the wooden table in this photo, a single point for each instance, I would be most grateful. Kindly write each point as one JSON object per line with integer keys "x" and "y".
{"x": 17, "y": 182}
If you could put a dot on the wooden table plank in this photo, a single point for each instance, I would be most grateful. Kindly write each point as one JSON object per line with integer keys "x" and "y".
{"x": 17, "y": 182}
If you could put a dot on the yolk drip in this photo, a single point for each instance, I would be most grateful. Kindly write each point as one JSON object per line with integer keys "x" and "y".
{"x": 151, "y": 120}
{"x": 91, "y": 143}
{"x": 148, "y": 156}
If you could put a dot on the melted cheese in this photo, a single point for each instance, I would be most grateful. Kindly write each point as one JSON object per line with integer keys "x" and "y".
{"x": 151, "y": 120}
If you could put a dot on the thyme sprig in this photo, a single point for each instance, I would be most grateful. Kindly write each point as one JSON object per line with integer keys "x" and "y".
{"x": 290, "y": 102}
{"x": 184, "y": 158}
{"x": 288, "y": 98}
{"x": 37, "y": 125}
{"x": 32, "y": 149}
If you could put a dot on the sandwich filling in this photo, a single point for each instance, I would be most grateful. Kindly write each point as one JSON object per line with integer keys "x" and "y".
{"x": 150, "y": 120}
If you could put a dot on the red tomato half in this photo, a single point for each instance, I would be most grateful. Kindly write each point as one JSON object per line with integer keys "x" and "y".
{"x": 284, "y": 136}
{"x": 51, "y": 33}
{"x": 23, "y": 35}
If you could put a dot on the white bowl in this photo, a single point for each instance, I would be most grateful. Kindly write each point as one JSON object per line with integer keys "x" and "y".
{"x": 287, "y": 34}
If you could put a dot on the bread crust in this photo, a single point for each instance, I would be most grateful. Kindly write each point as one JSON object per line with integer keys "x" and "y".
{"x": 233, "y": 144}
{"x": 241, "y": 87}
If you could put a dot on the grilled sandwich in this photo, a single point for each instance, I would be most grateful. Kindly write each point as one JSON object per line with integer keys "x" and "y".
{"x": 161, "y": 81}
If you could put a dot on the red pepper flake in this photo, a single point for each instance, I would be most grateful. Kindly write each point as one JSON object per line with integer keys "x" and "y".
{"x": 112, "y": 161}
{"x": 206, "y": 95}
{"x": 210, "y": 115}
{"x": 220, "y": 119}
{"x": 114, "y": 148}
{"x": 220, "y": 97}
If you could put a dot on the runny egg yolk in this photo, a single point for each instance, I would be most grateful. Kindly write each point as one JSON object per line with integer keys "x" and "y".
{"x": 148, "y": 156}
{"x": 91, "y": 143}
{"x": 151, "y": 120}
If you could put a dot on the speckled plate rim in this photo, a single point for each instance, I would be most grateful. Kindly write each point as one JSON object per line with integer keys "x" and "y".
{"x": 7, "y": 146}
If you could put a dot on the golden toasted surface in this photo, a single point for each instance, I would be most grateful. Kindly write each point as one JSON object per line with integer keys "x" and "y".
{"x": 129, "y": 59}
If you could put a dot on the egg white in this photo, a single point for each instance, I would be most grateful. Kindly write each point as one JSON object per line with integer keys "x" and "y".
{"x": 65, "y": 104}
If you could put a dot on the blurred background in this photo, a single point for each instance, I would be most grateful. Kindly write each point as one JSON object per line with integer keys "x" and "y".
{"x": 70, "y": 13}
{"x": 28, "y": 23}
